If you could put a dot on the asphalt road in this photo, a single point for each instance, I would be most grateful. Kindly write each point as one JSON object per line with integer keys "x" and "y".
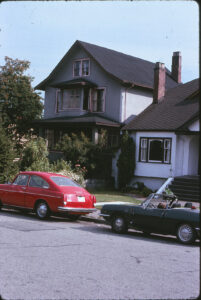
{"x": 61, "y": 259}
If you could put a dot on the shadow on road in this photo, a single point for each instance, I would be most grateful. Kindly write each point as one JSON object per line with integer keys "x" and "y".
{"x": 17, "y": 214}
{"x": 96, "y": 228}
{"x": 133, "y": 234}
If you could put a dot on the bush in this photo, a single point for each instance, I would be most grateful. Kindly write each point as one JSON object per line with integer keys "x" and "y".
{"x": 8, "y": 166}
{"x": 94, "y": 160}
{"x": 64, "y": 168}
{"x": 126, "y": 161}
{"x": 146, "y": 191}
{"x": 34, "y": 158}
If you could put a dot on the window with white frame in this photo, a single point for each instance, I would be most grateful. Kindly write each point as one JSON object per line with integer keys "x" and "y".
{"x": 98, "y": 100}
{"x": 155, "y": 150}
{"x": 81, "y": 67}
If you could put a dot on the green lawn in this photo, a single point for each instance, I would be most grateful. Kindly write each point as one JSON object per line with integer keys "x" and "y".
{"x": 111, "y": 196}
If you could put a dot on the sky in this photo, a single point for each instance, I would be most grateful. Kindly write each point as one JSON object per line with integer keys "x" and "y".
{"x": 43, "y": 31}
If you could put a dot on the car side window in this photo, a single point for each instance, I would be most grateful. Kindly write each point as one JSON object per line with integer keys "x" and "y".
{"x": 21, "y": 180}
{"x": 37, "y": 181}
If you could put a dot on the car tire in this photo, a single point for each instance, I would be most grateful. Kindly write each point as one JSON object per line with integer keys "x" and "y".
{"x": 73, "y": 217}
{"x": 119, "y": 225}
{"x": 0, "y": 205}
{"x": 185, "y": 234}
{"x": 42, "y": 210}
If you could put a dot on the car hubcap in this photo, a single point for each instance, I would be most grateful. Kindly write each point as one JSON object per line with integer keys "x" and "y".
{"x": 42, "y": 210}
{"x": 185, "y": 233}
{"x": 119, "y": 223}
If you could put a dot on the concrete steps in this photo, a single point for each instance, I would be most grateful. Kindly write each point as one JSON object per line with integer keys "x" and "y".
{"x": 186, "y": 188}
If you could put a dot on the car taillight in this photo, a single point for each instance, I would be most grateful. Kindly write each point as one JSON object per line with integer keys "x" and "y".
{"x": 68, "y": 198}
{"x": 93, "y": 199}
{"x": 193, "y": 207}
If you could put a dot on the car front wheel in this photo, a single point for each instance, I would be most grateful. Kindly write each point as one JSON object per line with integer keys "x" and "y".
{"x": 185, "y": 234}
{"x": 42, "y": 210}
{"x": 119, "y": 225}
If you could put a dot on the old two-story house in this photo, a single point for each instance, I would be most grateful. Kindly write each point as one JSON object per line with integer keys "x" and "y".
{"x": 94, "y": 88}
{"x": 166, "y": 135}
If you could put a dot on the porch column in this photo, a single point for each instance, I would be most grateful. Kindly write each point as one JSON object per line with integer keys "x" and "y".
{"x": 95, "y": 135}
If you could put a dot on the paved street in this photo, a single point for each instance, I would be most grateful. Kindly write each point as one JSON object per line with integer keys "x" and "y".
{"x": 61, "y": 259}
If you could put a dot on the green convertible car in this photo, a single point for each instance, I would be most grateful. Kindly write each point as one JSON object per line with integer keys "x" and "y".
{"x": 159, "y": 213}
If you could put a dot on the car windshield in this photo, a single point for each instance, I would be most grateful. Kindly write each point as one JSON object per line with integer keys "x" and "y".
{"x": 63, "y": 181}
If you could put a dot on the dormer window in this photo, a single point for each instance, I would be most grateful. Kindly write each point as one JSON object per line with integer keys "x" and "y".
{"x": 81, "y": 67}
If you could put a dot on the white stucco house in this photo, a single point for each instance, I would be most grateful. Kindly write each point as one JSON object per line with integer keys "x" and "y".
{"x": 166, "y": 133}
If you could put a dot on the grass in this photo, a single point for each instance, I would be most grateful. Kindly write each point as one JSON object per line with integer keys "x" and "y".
{"x": 112, "y": 196}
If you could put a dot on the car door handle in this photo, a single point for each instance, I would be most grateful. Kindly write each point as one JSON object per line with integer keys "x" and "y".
{"x": 23, "y": 187}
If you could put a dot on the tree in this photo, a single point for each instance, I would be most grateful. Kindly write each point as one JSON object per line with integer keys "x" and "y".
{"x": 35, "y": 156}
{"x": 75, "y": 149}
{"x": 19, "y": 103}
{"x": 8, "y": 167}
{"x": 126, "y": 161}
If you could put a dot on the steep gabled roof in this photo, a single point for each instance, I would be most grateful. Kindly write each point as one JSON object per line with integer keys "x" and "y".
{"x": 179, "y": 106}
{"x": 125, "y": 68}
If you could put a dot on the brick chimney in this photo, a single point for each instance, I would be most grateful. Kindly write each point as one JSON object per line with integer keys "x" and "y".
{"x": 176, "y": 66}
{"x": 159, "y": 82}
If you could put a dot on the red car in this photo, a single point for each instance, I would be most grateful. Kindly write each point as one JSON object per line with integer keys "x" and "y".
{"x": 46, "y": 194}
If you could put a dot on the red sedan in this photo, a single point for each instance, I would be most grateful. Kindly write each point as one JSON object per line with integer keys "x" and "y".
{"x": 46, "y": 194}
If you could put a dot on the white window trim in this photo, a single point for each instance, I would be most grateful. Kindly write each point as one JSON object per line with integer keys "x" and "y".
{"x": 80, "y": 71}
{"x": 149, "y": 139}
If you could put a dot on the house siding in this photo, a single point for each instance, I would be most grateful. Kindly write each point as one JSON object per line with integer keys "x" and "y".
{"x": 134, "y": 101}
{"x": 195, "y": 126}
{"x": 156, "y": 170}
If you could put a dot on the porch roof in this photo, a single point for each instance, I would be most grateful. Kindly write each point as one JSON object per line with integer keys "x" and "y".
{"x": 78, "y": 82}
{"x": 89, "y": 119}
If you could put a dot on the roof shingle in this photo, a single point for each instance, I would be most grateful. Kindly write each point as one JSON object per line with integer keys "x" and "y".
{"x": 123, "y": 67}
{"x": 177, "y": 108}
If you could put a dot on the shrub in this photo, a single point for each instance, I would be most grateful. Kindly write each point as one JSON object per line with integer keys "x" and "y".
{"x": 64, "y": 168}
{"x": 35, "y": 158}
{"x": 8, "y": 165}
{"x": 126, "y": 161}
{"x": 146, "y": 191}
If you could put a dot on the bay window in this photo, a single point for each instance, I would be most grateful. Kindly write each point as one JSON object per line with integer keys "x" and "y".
{"x": 156, "y": 150}
{"x": 68, "y": 99}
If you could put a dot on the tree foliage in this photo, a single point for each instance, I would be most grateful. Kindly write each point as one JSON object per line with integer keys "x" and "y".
{"x": 126, "y": 161}
{"x": 19, "y": 103}
{"x": 35, "y": 158}
{"x": 93, "y": 159}
{"x": 8, "y": 167}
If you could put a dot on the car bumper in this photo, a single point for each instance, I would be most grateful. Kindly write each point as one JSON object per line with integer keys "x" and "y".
{"x": 76, "y": 209}
{"x": 105, "y": 215}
